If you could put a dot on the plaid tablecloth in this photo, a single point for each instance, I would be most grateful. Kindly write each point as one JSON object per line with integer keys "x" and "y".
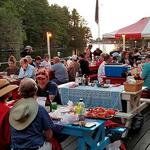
{"x": 93, "y": 96}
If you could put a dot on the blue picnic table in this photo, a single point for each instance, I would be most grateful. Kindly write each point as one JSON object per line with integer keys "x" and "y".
{"x": 92, "y": 137}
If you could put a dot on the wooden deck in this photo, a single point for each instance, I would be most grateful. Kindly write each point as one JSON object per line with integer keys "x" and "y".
{"x": 141, "y": 139}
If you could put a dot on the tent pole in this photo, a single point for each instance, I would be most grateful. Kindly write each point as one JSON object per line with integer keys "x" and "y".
{"x": 124, "y": 42}
{"x": 99, "y": 38}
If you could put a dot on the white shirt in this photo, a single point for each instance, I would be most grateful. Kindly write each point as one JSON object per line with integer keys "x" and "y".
{"x": 101, "y": 70}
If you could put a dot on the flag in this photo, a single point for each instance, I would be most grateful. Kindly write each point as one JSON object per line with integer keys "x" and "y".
{"x": 97, "y": 12}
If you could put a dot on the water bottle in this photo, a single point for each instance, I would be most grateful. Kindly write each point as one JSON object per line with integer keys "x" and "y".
{"x": 82, "y": 109}
{"x": 77, "y": 79}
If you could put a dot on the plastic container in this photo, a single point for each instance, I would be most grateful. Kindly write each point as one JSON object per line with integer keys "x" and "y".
{"x": 133, "y": 87}
{"x": 115, "y": 70}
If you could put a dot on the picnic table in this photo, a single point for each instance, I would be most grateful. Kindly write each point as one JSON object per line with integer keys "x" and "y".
{"x": 111, "y": 97}
{"x": 93, "y": 137}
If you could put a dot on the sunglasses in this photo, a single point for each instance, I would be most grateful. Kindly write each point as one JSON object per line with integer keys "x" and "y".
{"x": 41, "y": 73}
{"x": 39, "y": 78}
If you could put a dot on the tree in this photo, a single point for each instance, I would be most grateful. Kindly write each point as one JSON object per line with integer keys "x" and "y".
{"x": 59, "y": 24}
{"x": 35, "y": 21}
{"x": 79, "y": 31}
{"x": 10, "y": 28}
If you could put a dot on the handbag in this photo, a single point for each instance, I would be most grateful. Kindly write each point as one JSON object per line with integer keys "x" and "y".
{"x": 46, "y": 146}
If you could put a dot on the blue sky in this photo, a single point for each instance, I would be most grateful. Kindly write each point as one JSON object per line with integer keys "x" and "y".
{"x": 113, "y": 14}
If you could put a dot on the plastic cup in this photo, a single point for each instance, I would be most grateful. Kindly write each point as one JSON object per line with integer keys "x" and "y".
{"x": 107, "y": 82}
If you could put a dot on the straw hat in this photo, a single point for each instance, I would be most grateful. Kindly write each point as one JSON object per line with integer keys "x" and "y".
{"x": 23, "y": 113}
{"x": 5, "y": 87}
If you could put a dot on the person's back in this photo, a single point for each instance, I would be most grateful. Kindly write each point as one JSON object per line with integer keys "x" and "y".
{"x": 60, "y": 71}
{"x": 4, "y": 126}
{"x": 5, "y": 89}
{"x": 30, "y": 122}
{"x": 84, "y": 65}
{"x": 146, "y": 74}
{"x": 73, "y": 68}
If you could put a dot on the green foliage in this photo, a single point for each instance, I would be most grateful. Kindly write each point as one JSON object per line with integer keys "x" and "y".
{"x": 10, "y": 28}
{"x": 79, "y": 31}
{"x": 27, "y": 21}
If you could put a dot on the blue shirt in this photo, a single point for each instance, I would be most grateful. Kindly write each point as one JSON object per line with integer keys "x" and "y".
{"x": 146, "y": 75}
{"x": 32, "y": 136}
{"x": 61, "y": 73}
{"x": 51, "y": 89}
{"x": 29, "y": 72}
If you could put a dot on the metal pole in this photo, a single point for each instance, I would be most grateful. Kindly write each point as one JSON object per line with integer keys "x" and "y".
{"x": 124, "y": 38}
{"x": 48, "y": 45}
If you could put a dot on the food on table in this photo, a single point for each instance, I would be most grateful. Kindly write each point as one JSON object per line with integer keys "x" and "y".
{"x": 100, "y": 112}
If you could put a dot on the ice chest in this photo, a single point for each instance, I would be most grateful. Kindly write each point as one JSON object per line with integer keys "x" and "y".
{"x": 115, "y": 70}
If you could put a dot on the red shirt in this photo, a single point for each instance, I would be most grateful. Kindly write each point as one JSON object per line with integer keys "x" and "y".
{"x": 4, "y": 126}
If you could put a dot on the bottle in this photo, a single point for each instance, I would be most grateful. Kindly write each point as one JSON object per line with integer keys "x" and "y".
{"x": 80, "y": 80}
{"x": 82, "y": 109}
{"x": 89, "y": 80}
{"x": 83, "y": 80}
{"x": 48, "y": 106}
{"x": 77, "y": 79}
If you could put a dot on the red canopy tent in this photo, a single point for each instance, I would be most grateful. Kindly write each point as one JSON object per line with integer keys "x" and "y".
{"x": 138, "y": 30}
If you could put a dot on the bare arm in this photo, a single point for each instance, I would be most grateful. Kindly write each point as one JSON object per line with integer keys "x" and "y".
{"x": 48, "y": 134}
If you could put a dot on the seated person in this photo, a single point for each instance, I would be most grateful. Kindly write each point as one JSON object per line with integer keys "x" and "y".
{"x": 12, "y": 68}
{"x": 46, "y": 62}
{"x": 60, "y": 71}
{"x": 37, "y": 61}
{"x": 26, "y": 69}
{"x": 145, "y": 75}
{"x": 73, "y": 68}
{"x": 5, "y": 93}
{"x": 47, "y": 88}
{"x": 31, "y": 125}
{"x": 30, "y": 61}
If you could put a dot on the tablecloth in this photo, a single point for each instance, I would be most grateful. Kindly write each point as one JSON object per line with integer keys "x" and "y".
{"x": 93, "y": 96}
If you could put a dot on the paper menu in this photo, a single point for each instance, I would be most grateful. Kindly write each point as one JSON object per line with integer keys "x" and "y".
{"x": 41, "y": 100}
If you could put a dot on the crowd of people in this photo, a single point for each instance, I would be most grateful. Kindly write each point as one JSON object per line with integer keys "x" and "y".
{"x": 27, "y": 124}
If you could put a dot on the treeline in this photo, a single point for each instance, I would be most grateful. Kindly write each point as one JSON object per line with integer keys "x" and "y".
{"x": 25, "y": 22}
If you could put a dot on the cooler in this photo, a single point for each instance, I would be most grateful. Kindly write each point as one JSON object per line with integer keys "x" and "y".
{"x": 115, "y": 70}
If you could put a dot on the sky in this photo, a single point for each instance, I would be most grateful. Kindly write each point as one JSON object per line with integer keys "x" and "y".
{"x": 113, "y": 14}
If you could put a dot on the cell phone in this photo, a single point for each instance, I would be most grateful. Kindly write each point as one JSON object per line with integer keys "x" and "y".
{"x": 90, "y": 124}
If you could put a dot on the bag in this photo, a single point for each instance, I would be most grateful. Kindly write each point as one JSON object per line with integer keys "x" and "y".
{"x": 46, "y": 146}
{"x": 137, "y": 122}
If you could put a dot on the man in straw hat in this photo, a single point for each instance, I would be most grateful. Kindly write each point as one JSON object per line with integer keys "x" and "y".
{"x": 30, "y": 123}
{"x": 5, "y": 93}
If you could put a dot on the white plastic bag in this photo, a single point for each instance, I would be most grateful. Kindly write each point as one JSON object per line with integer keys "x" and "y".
{"x": 131, "y": 80}
{"x": 46, "y": 146}
{"x": 114, "y": 146}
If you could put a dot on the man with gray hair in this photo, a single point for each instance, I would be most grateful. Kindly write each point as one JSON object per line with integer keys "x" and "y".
{"x": 26, "y": 69}
{"x": 31, "y": 126}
